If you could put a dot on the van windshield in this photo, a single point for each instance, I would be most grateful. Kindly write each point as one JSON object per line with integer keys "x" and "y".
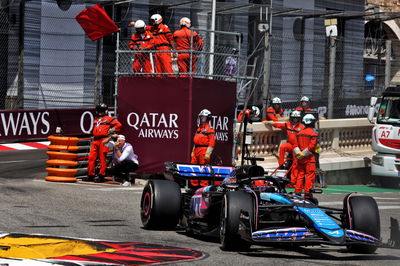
{"x": 389, "y": 111}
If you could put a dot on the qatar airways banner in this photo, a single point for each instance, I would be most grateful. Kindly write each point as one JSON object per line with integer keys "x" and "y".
{"x": 22, "y": 125}
{"x": 159, "y": 117}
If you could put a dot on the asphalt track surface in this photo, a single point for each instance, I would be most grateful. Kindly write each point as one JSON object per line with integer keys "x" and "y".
{"x": 108, "y": 212}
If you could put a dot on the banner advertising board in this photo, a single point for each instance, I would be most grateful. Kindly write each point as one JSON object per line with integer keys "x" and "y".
{"x": 159, "y": 117}
{"x": 22, "y": 125}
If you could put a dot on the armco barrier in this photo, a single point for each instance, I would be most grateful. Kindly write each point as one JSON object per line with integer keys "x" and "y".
{"x": 67, "y": 158}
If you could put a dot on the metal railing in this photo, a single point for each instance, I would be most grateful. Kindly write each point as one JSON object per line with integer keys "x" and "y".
{"x": 220, "y": 60}
{"x": 222, "y": 64}
{"x": 334, "y": 134}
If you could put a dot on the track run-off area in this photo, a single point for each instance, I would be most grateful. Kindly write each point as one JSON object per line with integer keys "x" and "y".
{"x": 103, "y": 222}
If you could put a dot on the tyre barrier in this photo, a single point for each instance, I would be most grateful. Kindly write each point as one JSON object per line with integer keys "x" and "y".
{"x": 68, "y": 158}
{"x": 70, "y": 141}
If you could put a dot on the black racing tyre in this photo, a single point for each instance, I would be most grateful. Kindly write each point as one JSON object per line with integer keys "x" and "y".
{"x": 361, "y": 214}
{"x": 233, "y": 202}
{"x": 160, "y": 205}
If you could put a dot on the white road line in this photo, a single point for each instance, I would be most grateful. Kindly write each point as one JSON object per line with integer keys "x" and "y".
{"x": 340, "y": 203}
{"x": 338, "y": 189}
{"x": 362, "y": 193}
{"x": 379, "y": 198}
{"x": 70, "y": 184}
{"x": 330, "y": 203}
{"x": 19, "y": 161}
{"x": 388, "y": 207}
{"x": 348, "y": 191}
{"x": 96, "y": 187}
{"x": 116, "y": 188}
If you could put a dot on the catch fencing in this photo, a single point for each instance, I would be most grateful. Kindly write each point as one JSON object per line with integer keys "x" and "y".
{"x": 301, "y": 67}
{"x": 219, "y": 61}
{"x": 3, "y": 57}
{"x": 52, "y": 64}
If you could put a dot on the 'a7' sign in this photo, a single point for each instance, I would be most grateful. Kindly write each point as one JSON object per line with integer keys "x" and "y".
{"x": 385, "y": 133}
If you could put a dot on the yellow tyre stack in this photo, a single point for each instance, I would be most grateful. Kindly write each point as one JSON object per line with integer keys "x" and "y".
{"x": 68, "y": 157}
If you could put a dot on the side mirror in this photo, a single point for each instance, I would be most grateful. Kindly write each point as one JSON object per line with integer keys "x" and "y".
{"x": 371, "y": 111}
{"x": 373, "y": 101}
{"x": 371, "y": 114}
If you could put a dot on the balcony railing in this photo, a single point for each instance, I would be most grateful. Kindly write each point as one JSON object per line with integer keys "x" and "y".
{"x": 334, "y": 134}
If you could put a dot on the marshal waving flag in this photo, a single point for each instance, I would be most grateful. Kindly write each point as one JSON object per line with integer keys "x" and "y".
{"x": 96, "y": 23}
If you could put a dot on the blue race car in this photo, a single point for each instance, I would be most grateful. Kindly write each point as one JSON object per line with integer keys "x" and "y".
{"x": 245, "y": 207}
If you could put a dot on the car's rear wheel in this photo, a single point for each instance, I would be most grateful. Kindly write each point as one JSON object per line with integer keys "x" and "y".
{"x": 233, "y": 203}
{"x": 361, "y": 214}
{"x": 160, "y": 205}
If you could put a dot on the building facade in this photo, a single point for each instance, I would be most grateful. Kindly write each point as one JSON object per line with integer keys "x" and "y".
{"x": 51, "y": 63}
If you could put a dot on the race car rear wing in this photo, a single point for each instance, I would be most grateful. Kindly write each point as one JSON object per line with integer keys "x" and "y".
{"x": 198, "y": 171}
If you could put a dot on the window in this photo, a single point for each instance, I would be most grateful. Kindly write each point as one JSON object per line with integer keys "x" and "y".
{"x": 389, "y": 111}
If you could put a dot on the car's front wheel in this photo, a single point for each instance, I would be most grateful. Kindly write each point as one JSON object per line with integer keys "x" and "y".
{"x": 160, "y": 205}
{"x": 361, "y": 214}
{"x": 233, "y": 203}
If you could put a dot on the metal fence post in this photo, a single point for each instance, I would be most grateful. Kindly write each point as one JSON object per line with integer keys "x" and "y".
{"x": 116, "y": 76}
{"x": 191, "y": 54}
{"x": 267, "y": 64}
{"x": 331, "y": 86}
{"x": 98, "y": 73}
{"x": 212, "y": 37}
{"x": 267, "y": 29}
{"x": 388, "y": 69}
{"x": 237, "y": 73}
{"x": 21, "y": 49}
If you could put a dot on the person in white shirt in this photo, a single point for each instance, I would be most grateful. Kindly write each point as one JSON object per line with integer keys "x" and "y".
{"x": 124, "y": 158}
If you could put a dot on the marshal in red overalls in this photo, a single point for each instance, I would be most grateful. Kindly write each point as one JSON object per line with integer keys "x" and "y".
{"x": 204, "y": 143}
{"x": 186, "y": 40}
{"x": 142, "y": 40}
{"x": 165, "y": 41}
{"x": 307, "y": 140}
{"x": 103, "y": 126}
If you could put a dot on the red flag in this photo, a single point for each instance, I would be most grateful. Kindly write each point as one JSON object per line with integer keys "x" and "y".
{"x": 95, "y": 22}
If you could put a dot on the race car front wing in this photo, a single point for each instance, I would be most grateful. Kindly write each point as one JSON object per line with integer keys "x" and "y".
{"x": 305, "y": 235}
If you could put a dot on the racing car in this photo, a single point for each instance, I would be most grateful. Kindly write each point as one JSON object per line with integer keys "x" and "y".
{"x": 245, "y": 206}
